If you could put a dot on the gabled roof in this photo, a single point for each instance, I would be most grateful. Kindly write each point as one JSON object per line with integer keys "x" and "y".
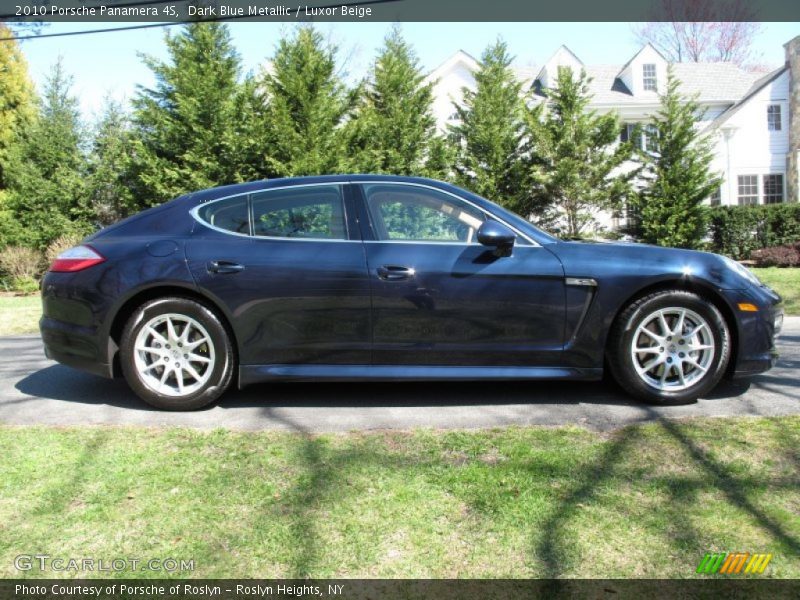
{"x": 462, "y": 57}
{"x": 642, "y": 49}
{"x": 561, "y": 48}
{"x": 723, "y": 83}
{"x": 757, "y": 86}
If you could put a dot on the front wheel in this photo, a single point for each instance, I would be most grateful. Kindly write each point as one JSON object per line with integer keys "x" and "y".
{"x": 670, "y": 347}
{"x": 176, "y": 354}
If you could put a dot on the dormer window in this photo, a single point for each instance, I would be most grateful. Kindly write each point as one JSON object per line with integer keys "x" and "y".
{"x": 650, "y": 83}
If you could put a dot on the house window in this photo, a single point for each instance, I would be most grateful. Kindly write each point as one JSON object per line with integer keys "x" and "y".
{"x": 644, "y": 137}
{"x": 748, "y": 189}
{"x": 715, "y": 199}
{"x": 650, "y": 138}
{"x": 774, "y": 117}
{"x": 650, "y": 82}
{"x": 773, "y": 188}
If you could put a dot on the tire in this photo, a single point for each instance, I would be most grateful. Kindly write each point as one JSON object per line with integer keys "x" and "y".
{"x": 669, "y": 348}
{"x": 188, "y": 361}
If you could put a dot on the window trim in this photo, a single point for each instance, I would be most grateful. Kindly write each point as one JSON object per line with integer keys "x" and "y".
{"x": 378, "y": 221}
{"x": 756, "y": 195}
{"x": 341, "y": 184}
{"x": 715, "y": 198}
{"x": 362, "y": 183}
{"x": 355, "y": 182}
{"x": 764, "y": 188}
{"x": 653, "y": 77}
{"x": 779, "y": 115}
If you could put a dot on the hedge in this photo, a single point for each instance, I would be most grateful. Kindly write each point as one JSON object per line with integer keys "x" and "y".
{"x": 737, "y": 231}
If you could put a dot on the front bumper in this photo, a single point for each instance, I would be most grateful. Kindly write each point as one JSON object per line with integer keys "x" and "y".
{"x": 758, "y": 332}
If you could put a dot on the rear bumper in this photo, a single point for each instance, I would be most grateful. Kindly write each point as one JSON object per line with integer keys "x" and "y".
{"x": 76, "y": 346}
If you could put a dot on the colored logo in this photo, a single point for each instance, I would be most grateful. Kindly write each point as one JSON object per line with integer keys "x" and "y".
{"x": 733, "y": 563}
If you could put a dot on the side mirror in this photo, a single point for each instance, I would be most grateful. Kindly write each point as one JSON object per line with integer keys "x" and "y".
{"x": 498, "y": 236}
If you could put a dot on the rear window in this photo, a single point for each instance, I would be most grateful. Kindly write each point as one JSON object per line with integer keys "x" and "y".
{"x": 231, "y": 215}
{"x": 311, "y": 212}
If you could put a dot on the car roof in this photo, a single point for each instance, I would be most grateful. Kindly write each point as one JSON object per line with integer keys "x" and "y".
{"x": 264, "y": 184}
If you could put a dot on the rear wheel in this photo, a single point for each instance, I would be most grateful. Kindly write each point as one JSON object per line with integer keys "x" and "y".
{"x": 176, "y": 354}
{"x": 670, "y": 347}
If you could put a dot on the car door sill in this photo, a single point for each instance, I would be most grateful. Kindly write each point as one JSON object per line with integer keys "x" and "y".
{"x": 258, "y": 373}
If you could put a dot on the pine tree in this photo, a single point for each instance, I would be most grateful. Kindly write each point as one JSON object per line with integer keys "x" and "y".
{"x": 17, "y": 98}
{"x": 303, "y": 102}
{"x": 109, "y": 196}
{"x": 574, "y": 165}
{"x": 679, "y": 174}
{"x": 46, "y": 171}
{"x": 393, "y": 129}
{"x": 488, "y": 137}
{"x": 185, "y": 124}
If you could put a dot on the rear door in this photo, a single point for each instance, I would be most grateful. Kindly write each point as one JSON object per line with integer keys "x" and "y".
{"x": 441, "y": 298}
{"x": 289, "y": 265}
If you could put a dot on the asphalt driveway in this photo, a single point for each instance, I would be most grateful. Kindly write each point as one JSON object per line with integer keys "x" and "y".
{"x": 34, "y": 390}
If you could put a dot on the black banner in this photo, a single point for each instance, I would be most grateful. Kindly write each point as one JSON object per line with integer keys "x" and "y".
{"x": 405, "y": 589}
{"x": 399, "y": 10}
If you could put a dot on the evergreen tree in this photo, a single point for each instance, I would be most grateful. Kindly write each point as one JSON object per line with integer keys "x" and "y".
{"x": 574, "y": 165}
{"x": 109, "y": 193}
{"x": 45, "y": 171}
{"x": 488, "y": 137}
{"x": 679, "y": 174}
{"x": 185, "y": 124}
{"x": 17, "y": 98}
{"x": 393, "y": 129}
{"x": 303, "y": 103}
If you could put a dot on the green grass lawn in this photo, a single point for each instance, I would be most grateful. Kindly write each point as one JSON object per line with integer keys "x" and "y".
{"x": 646, "y": 501}
{"x": 20, "y": 314}
{"x": 786, "y": 282}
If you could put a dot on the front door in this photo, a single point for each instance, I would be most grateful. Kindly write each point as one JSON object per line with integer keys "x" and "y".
{"x": 441, "y": 298}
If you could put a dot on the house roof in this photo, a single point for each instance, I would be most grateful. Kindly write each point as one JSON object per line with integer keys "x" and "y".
{"x": 642, "y": 49}
{"x": 711, "y": 82}
{"x": 561, "y": 49}
{"x": 459, "y": 57}
{"x": 720, "y": 83}
{"x": 757, "y": 86}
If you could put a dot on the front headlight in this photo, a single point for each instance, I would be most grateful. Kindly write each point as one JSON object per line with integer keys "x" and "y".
{"x": 743, "y": 271}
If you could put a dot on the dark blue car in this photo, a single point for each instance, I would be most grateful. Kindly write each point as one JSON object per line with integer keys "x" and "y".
{"x": 366, "y": 277}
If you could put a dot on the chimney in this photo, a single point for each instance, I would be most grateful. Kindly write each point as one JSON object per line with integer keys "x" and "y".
{"x": 793, "y": 158}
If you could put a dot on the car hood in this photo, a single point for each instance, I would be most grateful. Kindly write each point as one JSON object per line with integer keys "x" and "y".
{"x": 612, "y": 259}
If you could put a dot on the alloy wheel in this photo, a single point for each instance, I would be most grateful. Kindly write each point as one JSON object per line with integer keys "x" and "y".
{"x": 672, "y": 349}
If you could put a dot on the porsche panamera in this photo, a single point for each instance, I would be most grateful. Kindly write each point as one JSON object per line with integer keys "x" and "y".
{"x": 372, "y": 277}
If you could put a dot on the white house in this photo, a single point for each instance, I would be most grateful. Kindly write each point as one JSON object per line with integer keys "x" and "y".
{"x": 754, "y": 119}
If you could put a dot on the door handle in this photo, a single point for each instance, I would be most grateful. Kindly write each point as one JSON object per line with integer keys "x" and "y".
{"x": 223, "y": 267}
{"x": 395, "y": 273}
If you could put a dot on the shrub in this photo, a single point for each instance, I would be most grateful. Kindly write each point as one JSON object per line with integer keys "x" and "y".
{"x": 25, "y": 284}
{"x": 60, "y": 244}
{"x": 19, "y": 262}
{"x": 787, "y": 255}
{"x": 737, "y": 231}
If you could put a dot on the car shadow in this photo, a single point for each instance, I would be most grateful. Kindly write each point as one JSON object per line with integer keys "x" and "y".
{"x": 58, "y": 382}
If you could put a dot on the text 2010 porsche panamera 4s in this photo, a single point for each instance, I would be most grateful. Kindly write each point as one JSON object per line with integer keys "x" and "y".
{"x": 389, "y": 278}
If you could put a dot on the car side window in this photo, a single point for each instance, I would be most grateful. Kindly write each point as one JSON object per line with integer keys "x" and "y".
{"x": 230, "y": 215}
{"x": 304, "y": 212}
{"x": 411, "y": 213}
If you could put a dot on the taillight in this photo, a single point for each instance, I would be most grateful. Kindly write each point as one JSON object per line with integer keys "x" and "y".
{"x": 76, "y": 259}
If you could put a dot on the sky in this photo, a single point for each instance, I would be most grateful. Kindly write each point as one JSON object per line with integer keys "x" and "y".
{"x": 108, "y": 64}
